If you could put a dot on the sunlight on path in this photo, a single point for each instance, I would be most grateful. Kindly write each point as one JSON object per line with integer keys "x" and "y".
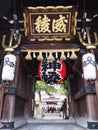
{"x": 52, "y": 118}
{"x": 51, "y": 121}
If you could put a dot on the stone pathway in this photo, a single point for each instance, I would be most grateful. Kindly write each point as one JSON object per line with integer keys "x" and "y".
{"x": 44, "y": 126}
{"x": 51, "y": 121}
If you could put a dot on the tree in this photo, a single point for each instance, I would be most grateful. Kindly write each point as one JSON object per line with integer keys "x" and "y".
{"x": 64, "y": 88}
{"x": 42, "y": 86}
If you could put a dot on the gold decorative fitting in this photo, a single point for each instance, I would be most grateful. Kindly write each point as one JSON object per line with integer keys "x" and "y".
{"x": 50, "y": 57}
{"x": 63, "y": 57}
{"x": 73, "y": 56}
{"x": 10, "y": 47}
{"x": 28, "y": 56}
{"x": 40, "y": 57}
{"x": 89, "y": 44}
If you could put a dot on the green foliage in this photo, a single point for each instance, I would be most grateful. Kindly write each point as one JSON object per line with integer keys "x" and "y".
{"x": 63, "y": 88}
{"x": 41, "y": 86}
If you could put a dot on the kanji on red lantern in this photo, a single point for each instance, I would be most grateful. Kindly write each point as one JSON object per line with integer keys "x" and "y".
{"x": 52, "y": 72}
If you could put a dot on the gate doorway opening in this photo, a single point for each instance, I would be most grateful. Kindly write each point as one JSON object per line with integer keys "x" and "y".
{"x": 49, "y": 100}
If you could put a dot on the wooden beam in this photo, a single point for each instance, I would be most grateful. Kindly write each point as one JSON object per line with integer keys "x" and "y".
{"x": 14, "y": 91}
{"x": 84, "y": 91}
{"x": 48, "y": 45}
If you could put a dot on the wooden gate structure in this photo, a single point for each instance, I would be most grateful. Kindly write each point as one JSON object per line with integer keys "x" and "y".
{"x": 47, "y": 31}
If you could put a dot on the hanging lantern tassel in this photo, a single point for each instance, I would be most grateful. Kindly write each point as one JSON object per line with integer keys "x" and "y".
{"x": 46, "y": 54}
{"x": 89, "y": 67}
{"x": 50, "y": 57}
{"x": 9, "y": 65}
{"x": 56, "y": 55}
{"x": 40, "y": 57}
{"x": 73, "y": 56}
{"x": 34, "y": 55}
{"x": 63, "y": 57}
{"x": 68, "y": 54}
{"x": 28, "y": 56}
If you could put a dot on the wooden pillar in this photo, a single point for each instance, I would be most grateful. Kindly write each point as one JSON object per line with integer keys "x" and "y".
{"x": 33, "y": 96}
{"x": 92, "y": 106}
{"x": 2, "y": 89}
{"x": 96, "y": 84}
{"x": 9, "y": 101}
{"x": 28, "y": 105}
{"x": 8, "y": 109}
{"x": 74, "y": 104}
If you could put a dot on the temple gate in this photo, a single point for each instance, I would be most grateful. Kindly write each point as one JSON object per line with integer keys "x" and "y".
{"x": 50, "y": 33}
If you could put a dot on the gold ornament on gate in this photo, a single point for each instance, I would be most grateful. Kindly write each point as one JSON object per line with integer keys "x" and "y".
{"x": 50, "y": 57}
{"x": 10, "y": 47}
{"x": 28, "y": 56}
{"x": 63, "y": 57}
{"x": 40, "y": 57}
{"x": 73, "y": 55}
{"x": 89, "y": 44}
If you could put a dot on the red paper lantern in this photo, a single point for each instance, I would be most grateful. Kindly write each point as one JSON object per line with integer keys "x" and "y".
{"x": 52, "y": 72}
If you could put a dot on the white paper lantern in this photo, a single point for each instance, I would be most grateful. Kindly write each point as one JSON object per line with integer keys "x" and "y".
{"x": 9, "y": 65}
{"x": 89, "y": 67}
